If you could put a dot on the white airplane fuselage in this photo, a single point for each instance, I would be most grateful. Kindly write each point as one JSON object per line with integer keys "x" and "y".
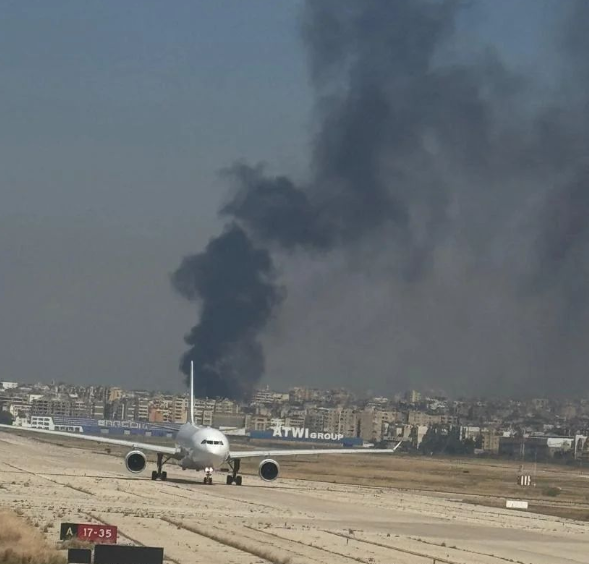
{"x": 203, "y": 447}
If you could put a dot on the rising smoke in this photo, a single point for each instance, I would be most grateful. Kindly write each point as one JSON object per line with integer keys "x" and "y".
{"x": 472, "y": 200}
{"x": 235, "y": 283}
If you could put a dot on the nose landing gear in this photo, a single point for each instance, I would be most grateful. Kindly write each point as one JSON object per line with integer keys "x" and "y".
{"x": 208, "y": 479}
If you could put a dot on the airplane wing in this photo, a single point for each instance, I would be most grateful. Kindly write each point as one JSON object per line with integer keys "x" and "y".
{"x": 97, "y": 439}
{"x": 294, "y": 452}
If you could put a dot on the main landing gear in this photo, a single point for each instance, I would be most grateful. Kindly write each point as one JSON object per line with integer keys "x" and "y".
{"x": 158, "y": 474}
{"x": 208, "y": 479}
{"x": 233, "y": 478}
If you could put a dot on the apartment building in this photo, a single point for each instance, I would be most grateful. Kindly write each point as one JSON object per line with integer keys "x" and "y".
{"x": 52, "y": 405}
{"x": 374, "y": 423}
{"x": 342, "y": 421}
{"x": 180, "y": 406}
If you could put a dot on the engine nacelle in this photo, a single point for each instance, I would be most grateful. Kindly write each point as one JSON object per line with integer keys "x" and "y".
{"x": 135, "y": 461}
{"x": 268, "y": 470}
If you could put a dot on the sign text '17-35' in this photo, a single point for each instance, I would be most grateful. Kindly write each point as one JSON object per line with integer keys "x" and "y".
{"x": 89, "y": 532}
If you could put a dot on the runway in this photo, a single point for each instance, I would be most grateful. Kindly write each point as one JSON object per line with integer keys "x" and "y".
{"x": 290, "y": 521}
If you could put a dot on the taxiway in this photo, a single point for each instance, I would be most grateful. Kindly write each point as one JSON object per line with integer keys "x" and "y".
{"x": 284, "y": 521}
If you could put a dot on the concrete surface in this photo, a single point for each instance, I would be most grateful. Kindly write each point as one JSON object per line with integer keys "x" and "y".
{"x": 292, "y": 521}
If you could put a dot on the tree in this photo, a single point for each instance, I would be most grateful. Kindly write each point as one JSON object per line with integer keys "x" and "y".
{"x": 6, "y": 418}
{"x": 434, "y": 441}
{"x": 441, "y": 440}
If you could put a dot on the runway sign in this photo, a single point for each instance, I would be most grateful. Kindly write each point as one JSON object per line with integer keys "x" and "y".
{"x": 514, "y": 504}
{"x": 117, "y": 554}
{"x": 525, "y": 480}
{"x": 79, "y": 556}
{"x": 88, "y": 532}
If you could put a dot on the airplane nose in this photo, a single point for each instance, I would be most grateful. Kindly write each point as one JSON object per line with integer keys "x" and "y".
{"x": 218, "y": 457}
{"x": 214, "y": 455}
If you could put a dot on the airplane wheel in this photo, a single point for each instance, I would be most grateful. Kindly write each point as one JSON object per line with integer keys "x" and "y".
{"x": 210, "y": 482}
{"x": 154, "y": 475}
{"x": 229, "y": 480}
{"x": 238, "y": 480}
{"x": 205, "y": 480}
{"x": 164, "y": 476}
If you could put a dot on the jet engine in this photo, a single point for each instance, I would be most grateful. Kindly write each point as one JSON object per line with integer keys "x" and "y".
{"x": 268, "y": 470}
{"x": 135, "y": 461}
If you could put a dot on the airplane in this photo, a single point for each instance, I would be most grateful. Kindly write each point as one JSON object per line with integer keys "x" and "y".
{"x": 202, "y": 448}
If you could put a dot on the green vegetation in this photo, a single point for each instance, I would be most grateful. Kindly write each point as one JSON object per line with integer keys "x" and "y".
{"x": 439, "y": 440}
{"x": 6, "y": 418}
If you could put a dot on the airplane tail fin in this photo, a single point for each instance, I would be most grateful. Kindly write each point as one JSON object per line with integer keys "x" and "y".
{"x": 191, "y": 414}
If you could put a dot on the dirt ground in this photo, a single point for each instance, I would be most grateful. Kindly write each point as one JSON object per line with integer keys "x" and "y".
{"x": 337, "y": 509}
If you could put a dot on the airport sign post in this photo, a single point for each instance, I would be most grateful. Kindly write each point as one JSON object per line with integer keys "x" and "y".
{"x": 89, "y": 532}
{"x": 119, "y": 554}
{"x": 79, "y": 556}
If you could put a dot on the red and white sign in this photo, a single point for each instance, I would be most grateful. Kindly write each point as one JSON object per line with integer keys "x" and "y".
{"x": 97, "y": 533}
{"x": 103, "y": 534}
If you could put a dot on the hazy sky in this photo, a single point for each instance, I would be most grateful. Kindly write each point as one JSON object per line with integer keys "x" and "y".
{"x": 114, "y": 120}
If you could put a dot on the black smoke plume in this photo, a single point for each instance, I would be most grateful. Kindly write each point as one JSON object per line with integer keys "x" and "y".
{"x": 235, "y": 283}
{"x": 458, "y": 184}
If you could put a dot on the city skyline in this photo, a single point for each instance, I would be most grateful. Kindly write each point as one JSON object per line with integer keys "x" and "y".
{"x": 550, "y": 429}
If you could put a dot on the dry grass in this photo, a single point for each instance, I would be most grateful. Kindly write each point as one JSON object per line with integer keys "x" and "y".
{"x": 20, "y": 543}
{"x": 470, "y": 476}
